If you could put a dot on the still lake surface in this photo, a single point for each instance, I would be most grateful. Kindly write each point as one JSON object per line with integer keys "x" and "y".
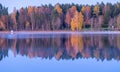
{"x": 60, "y": 53}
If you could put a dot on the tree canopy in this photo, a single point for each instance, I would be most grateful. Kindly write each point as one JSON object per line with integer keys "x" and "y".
{"x": 61, "y": 17}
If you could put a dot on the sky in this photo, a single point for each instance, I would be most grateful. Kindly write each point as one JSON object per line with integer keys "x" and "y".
{"x": 24, "y": 3}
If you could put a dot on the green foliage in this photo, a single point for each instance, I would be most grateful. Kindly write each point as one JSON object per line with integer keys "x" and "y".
{"x": 3, "y": 10}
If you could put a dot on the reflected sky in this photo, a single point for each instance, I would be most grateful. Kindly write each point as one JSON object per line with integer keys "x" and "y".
{"x": 60, "y": 53}
{"x": 25, "y": 64}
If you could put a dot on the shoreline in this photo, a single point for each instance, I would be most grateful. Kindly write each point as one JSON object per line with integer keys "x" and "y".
{"x": 60, "y": 32}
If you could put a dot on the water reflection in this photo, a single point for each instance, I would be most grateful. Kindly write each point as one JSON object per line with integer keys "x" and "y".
{"x": 62, "y": 46}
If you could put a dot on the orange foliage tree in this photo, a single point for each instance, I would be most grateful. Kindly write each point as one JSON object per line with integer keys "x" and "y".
{"x": 77, "y": 21}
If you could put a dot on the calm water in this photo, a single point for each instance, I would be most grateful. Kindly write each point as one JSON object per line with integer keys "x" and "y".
{"x": 59, "y": 53}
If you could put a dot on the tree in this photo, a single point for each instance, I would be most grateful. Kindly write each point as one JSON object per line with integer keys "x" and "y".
{"x": 2, "y": 26}
{"x": 72, "y": 24}
{"x": 27, "y": 25}
{"x": 83, "y": 9}
{"x": 96, "y": 10}
{"x": 100, "y": 22}
{"x": 118, "y": 22}
{"x": 106, "y": 15}
{"x": 116, "y": 9}
{"x": 3, "y": 10}
{"x": 30, "y": 9}
{"x": 86, "y": 11}
{"x": 56, "y": 18}
{"x": 13, "y": 21}
{"x": 4, "y": 21}
{"x": 87, "y": 15}
{"x": 80, "y": 21}
{"x": 68, "y": 19}
{"x": 58, "y": 8}
{"x": 56, "y": 21}
{"x": 77, "y": 21}
{"x": 32, "y": 15}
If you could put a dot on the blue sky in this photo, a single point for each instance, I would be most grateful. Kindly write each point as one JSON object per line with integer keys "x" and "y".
{"x": 24, "y": 3}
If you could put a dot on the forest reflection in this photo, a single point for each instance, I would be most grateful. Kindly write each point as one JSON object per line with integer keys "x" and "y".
{"x": 63, "y": 47}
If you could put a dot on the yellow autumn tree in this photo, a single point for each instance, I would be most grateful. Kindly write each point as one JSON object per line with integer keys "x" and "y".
{"x": 77, "y": 21}
{"x": 58, "y": 8}
{"x": 83, "y": 9}
{"x": 96, "y": 10}
{"x": 74, "y": 21}
{"x": 72, "y": 24}
{"x": 30, "y": 9}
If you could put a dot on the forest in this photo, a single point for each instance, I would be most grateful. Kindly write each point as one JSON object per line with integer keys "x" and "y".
{"x": 70, "y": 17}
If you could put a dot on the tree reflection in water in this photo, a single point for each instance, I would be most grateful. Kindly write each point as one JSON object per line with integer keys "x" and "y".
{"x": 63, "y": 46}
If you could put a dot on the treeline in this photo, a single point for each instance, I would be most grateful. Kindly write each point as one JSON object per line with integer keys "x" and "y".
{"x": 62, "y": 17}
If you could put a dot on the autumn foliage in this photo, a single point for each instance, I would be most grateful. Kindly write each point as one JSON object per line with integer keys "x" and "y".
{"x": 61, "y": 17}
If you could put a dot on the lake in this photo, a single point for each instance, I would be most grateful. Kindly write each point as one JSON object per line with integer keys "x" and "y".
{"x": 59, "y": 52}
